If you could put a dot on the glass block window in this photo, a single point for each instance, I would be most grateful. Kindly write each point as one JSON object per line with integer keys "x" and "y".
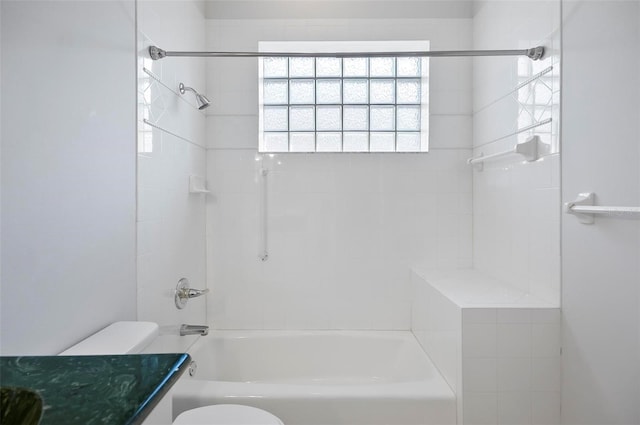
{"x": 326, "y": 104}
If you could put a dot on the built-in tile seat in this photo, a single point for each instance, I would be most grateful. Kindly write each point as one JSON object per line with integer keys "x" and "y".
{"x": 497, "y": 346}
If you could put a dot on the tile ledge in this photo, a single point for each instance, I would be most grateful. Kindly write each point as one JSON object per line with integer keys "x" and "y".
{"x": 471, "y": 288}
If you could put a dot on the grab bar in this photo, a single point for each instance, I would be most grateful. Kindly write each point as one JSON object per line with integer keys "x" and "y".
{"x": 584, "y": 210}
{"x": 528, "y": 149}
{"x": 264, "y": 251}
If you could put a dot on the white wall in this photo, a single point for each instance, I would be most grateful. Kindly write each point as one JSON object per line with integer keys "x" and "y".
{"x": 68, "y": 171}
{"x": 171, "y": 221}
{"x": 516, "y": 205}
{"x": 344, "y": 229}
{"x": 600, "y": 270}
{"x": 0, "y": 163}
{"x": 332, "y": 9}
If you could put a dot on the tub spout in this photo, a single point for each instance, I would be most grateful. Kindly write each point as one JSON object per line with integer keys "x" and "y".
{"x": 194, "y": 330}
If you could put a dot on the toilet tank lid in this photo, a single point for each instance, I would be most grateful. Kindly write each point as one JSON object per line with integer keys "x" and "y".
{"x": 117, "y": 338}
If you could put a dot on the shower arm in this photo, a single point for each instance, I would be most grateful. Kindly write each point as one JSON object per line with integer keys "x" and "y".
{"x": 534, "y": 53}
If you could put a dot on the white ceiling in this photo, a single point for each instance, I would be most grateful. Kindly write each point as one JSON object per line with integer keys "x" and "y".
{"x": 347, "y": 9}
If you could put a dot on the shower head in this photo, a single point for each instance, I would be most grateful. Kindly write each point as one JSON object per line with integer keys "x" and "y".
{"x": 201, "y": 99}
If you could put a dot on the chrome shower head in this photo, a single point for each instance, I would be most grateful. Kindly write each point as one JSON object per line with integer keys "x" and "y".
{"x": 201, "y": 99}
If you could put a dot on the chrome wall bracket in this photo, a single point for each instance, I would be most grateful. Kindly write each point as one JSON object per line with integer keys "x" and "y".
{"x": 156, "y": 53}
{"x": 534, "y": 53}
{"x": 184, "y": 292}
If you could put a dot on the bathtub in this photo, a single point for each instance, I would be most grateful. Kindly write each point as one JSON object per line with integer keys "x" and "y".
{"x": 319, "y": 377}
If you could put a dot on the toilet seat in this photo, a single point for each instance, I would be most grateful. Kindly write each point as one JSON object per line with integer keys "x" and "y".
{"x": 227, "y": 414}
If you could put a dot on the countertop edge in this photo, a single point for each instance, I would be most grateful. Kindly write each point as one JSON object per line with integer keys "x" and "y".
{"x": 147, "y": 406}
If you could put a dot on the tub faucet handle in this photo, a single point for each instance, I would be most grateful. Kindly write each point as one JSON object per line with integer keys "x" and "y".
{"x": 184, "y": 292}
{"x": 193, "y": 293}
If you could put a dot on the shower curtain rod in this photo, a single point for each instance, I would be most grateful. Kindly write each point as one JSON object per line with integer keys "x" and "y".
{"x": 533, "y": 53}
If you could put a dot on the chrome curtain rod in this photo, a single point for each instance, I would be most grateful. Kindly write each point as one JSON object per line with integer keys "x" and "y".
{"x": 533, "y": 53}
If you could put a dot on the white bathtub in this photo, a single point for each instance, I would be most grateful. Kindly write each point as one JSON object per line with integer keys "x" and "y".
{"x": 319, "y": 377}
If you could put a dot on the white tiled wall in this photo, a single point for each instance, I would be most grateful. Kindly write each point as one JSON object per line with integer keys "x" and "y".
{"x": 343, "y": 229}
{"x": 436, "y": 322}
{"x": 171, "y": 221}
{"x": 516, "y": 205}
{"x": 511, "y": 366}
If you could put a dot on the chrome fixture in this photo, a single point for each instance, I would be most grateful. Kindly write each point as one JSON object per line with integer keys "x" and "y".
{"x": 201, "y": 99}
{"x": 184, "y": 292}
{"x": 193, "y": 368}
{"x": 194, "y": 330}
{"x": 533, "y": 53}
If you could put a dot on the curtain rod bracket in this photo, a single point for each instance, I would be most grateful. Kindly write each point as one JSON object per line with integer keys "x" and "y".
{"x": 535, "y": 53}
{"x": 156, "y": 53}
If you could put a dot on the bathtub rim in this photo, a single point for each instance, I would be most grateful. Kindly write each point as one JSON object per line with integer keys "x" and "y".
{"x": 433, "y": 387}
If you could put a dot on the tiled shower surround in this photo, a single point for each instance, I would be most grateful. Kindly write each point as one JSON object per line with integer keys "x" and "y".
{"x": 353, "y": 239}
{"x": 516, "y": 204}
{"x": 171, "y": 148}
{"x": 343, "y": 228}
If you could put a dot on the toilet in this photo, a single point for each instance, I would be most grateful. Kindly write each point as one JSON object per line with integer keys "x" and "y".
{"x": 132, "y": 338}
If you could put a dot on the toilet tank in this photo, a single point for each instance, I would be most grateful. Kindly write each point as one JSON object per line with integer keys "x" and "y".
{"x": 117, "y": 338}
{"x": 127, "y": 338}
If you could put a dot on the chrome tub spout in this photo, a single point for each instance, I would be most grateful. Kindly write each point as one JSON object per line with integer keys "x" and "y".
{"x": 194, "y": 330}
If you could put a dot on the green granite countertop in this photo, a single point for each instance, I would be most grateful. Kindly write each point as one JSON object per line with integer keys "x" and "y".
{"x": 86, "y": 390}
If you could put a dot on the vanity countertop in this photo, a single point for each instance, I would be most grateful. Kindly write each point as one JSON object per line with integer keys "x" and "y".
{"x": 84, "y": 390}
